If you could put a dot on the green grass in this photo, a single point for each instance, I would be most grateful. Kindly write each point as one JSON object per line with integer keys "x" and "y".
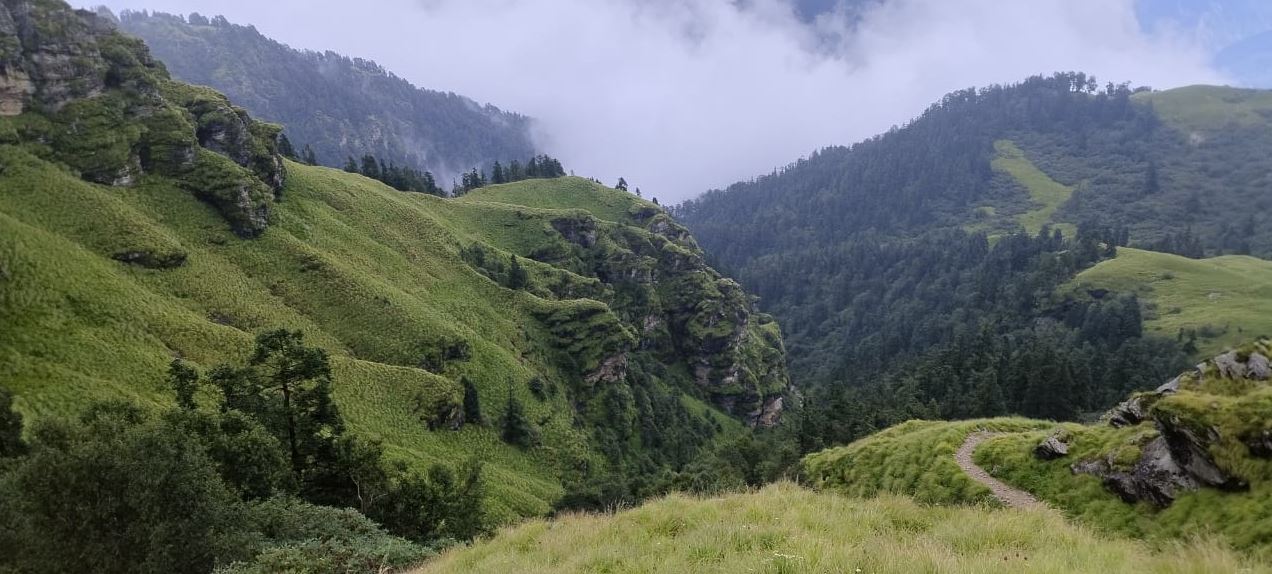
{"x": 367, "y": 272}
{"x": 564, "y": 193}
{"x": 788, "y": 529}
{"x": 1047, "y": 194}
{"x": 1231, "y": 409}
{"x": 1228, "y": 298}
{"x": 374, "y": 275}
{"x": 915, "y": 458}
{"x": 1201, "y": 109}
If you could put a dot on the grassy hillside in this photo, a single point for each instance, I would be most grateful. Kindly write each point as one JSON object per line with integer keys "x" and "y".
{"x": 339, "y": 106}
{"x": 1047, "y": 194}
{"x": 1226, "y": 300}
{"x": 1224, "y": 414}
{"x": 1206, "y": 109}
{"x": 787, "y": 529}
{"x": 913, "y": 459}
{"x": 1221, "y": 414}
{"x": 374, "y": 275}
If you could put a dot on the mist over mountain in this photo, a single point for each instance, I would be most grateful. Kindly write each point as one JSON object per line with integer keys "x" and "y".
{"x": 340, "y": 107}
{"x": 680, "y": 97}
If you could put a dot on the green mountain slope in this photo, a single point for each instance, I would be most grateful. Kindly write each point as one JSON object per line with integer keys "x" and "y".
{"x": 119, "y": 254}
{"x": 924, "y": 272}
{"x": 1189, "y": 459}
{"x": 1222, "y": 300}
{"x": 788, "y": 529}
{"x": 340, "y": 106}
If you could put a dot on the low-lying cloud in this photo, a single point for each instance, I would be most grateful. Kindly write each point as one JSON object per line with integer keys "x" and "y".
{"x": 679, "y": 96}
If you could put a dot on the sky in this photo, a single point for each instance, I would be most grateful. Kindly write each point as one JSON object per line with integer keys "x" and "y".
{"x": 681, "y": 96}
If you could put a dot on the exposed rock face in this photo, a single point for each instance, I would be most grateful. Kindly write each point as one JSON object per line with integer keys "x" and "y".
{"x": 1051, "y": 448}
{"x": 49, "y": 56}
{"x": 1156, "y": 478}
{"x": 612, "y": 370}
{"x": 578, "y": 230}
{"x": 152, "y": 260}
{"x": 1128, "y": 413}
{"x": 675, "y": 308}
{"x": 115, "y": 116}
{"x": 1260, "y": 444}
{"x": 1180, "y": 459}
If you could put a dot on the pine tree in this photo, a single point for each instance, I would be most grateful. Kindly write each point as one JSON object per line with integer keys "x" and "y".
{"x": 308, "y": 156}
{"x": 472, "y": 402}
{"x": 621, "y": 185}
{"x": 185, "y": 383}
{"x": 285, "y": 147}
{"x": 351, "y": 166}
{"x": 517, "y": 276}
{"x": 287, "y": 386}
{"x": 517, "y": 429}
{"x": 10, "y": 427}
{"x": 370, "y": 167}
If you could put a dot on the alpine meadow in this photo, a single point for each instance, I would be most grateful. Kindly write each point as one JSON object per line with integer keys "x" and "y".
{"x": 266, "y": 306}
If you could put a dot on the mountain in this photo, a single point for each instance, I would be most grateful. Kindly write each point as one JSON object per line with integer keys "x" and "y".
{"x": 342, "y": 107}
{"x": 569, "y": 337}
{"x": 1190, "y": 458}
{"x": 923, "y": 272}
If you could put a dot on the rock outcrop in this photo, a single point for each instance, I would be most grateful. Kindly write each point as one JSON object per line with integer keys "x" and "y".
{"x": 110, "y": 112}
{"x": 669, "y": 305}
{"x": 1181, "y": 455}
{"x": 1051, "y": 448}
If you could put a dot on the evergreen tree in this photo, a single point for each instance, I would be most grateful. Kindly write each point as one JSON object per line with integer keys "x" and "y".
{"x": 370, "y": 167}
{"x": 472, "y": 402}
{"x": 10, "y": 427}
{"x": 497, "y": 174}
{"x": 287, "y": 386}
{"x": 517, "y": 276}
{"x": 621, "y": 185}
{"x": 308, "y": 156}
{"x": 517, "y": 429}
{"x": 1152, "y": 185}
{"x": 351, "y": 166}
{"x": 185, "y": 383}
{"x": 285, "y": 148}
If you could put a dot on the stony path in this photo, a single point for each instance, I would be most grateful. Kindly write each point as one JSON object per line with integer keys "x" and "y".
{"x": 1012, "y": 497}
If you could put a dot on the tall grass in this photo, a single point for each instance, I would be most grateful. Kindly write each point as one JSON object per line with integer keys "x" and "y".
{"x": 913, "y": 459}
{"x": 787, "y": 529}
{"x": 372, "y": 274}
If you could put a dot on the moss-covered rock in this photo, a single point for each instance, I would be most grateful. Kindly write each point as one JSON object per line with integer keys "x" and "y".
{"x": 114, "y": 115}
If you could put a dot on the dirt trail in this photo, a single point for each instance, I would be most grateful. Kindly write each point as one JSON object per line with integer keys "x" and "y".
{"x": 1012, "y": 497}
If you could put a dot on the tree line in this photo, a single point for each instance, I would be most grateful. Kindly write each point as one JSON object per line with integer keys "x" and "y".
{"x": 252, "y": 470}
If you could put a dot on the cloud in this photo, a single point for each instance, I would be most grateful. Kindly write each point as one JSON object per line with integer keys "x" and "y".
{"x": 679, "y": 96}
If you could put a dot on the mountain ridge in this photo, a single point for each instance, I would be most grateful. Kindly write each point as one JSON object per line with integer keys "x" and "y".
{"x": 342, "y": 107}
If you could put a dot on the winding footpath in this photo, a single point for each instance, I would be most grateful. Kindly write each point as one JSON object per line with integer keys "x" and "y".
{"x": 1010, "y": 496}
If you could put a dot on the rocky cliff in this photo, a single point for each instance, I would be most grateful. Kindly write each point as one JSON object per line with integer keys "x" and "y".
{"x": 1196, "y": 431}
{"x": 657, "y": 300}
{"x": 75, "y": 90}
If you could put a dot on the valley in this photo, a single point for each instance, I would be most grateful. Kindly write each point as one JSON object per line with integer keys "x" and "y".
{"x": 1026, "y": 330}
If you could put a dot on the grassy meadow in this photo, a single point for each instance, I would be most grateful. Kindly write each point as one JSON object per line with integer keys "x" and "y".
{"x": 1227, "y": 300}
{"x": 373, "y": 275}
{"x": 1047, "y": 194}
{"x": 785, "y": 528}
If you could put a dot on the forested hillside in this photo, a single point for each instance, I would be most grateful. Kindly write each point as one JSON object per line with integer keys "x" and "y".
{"x": 340, "y": 106}
{"x": 275, "y": 364}
{"x": 926, "y": 261}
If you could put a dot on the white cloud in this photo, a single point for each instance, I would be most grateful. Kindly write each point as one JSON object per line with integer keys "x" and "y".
{"x": 682, "y": 95}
